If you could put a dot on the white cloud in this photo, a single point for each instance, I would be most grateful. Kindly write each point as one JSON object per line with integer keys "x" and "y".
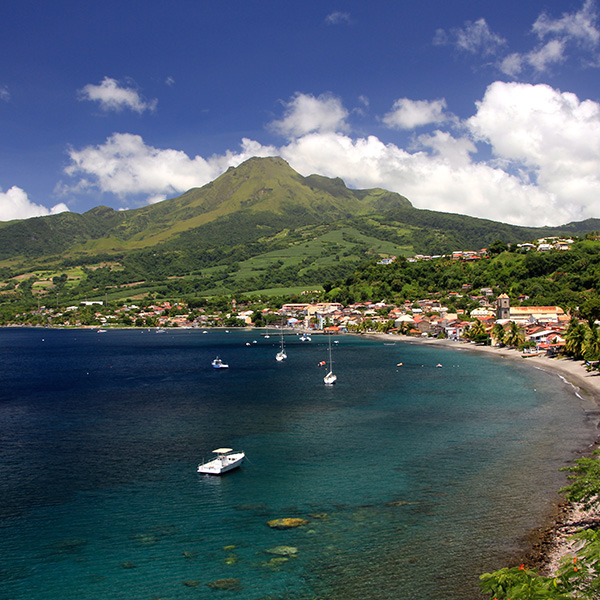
{"x": 557, "y": 39}
{"x": 475, "y": 37}
{"x": 113, "y": 96}
{"x": 4, "y": 94}
{"x": 553, "y": 134}
{"x": 337, "y": 17}
{"x": 512, "y": 64}
{"x": 408, "y": 114}
{"x": 305, "y": 114}
{"x": 429, "y": 181}
{"x": 549, "y": 54}
{"x": 125, "y": 166}
{"x": 14, "y": 204}
{"x": 542, "y": 164}
{"x": 579, "y": 26}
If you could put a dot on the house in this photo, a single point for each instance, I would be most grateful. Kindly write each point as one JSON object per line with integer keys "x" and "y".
{"x": 531, "y": 314}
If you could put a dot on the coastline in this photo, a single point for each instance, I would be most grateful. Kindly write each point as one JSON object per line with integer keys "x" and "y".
{"x": 547, "y": 545}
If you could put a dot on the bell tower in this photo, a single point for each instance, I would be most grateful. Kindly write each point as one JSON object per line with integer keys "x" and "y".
{"x": 503, "y": 307}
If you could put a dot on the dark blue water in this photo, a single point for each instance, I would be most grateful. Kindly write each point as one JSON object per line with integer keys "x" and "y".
{"x": 413, "y": 479}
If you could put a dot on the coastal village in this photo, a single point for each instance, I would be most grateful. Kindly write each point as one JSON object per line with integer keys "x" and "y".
{"x": 540, "y": 329}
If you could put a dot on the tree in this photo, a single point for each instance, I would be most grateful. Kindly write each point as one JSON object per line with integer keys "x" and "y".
{"x": 592, "y": 342}
{"x": 514, "y": 336}
{"x": 498, "y": 333}
{"x": 575, "y": 337}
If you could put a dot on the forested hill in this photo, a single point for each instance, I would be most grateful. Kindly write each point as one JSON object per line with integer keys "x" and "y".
{"x": 568, "y": 278}
{"x": 258, "y": 226}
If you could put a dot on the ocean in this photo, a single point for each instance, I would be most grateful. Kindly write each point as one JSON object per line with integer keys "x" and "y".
{"x": 412, "y": 479}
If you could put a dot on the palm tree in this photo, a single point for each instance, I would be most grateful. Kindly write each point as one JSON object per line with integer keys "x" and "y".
{"x": 498, "y": 333}
{"x": 592, "y": 342}
{"x": 514, "y": 336}
{"x": 575, "y": 339}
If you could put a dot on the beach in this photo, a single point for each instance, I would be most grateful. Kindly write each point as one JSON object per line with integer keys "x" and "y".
{"x": 550, "y": 543}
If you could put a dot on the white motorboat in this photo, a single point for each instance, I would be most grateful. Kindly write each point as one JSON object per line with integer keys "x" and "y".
{"x": 305, "y": 338}
{"x": 217, "y": 363}
{"x": 331, "y": 377}
{"x": 226, "y": 461}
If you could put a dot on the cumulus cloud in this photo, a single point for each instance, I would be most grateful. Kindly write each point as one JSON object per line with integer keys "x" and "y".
{"x": 14, "y": 204}
{"x": 553, "y": 134}
{"x": 540, "y": 165}
{"x": 408, "y": 114}
{"x": 475, "y": 37}
{"x": 113, "y": 96}
{"x": 305, "y": 114}
{"x": 125, "y": 166}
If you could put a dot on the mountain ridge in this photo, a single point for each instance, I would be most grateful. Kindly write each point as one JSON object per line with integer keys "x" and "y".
{"x": 258, "y": 225}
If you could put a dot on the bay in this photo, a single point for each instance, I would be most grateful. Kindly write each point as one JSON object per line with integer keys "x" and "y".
{"x": 414, "y": 479}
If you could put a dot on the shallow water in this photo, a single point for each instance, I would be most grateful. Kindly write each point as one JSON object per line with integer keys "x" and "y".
{"x": 413, "y": 479}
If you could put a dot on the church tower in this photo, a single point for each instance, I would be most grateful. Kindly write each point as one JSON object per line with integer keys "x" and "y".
{"x": 503, "y": 307}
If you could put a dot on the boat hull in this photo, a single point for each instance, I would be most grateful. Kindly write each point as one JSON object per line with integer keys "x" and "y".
{"x": 221, "y": 465}
{"x": 330, "y": 378}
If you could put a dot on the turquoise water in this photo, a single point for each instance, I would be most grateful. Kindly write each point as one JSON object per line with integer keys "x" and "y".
{"x": 413, "y": 479}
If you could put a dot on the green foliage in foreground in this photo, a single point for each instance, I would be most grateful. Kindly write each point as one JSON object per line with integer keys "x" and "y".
{"x": 578, "y": 575}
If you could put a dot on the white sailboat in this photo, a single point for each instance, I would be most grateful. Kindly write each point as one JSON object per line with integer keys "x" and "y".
{"x": 281, "y": 355}
{"x": 331, "y": 377}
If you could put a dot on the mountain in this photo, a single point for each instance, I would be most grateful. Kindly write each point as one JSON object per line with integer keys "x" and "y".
{"x": 260, "y": 224}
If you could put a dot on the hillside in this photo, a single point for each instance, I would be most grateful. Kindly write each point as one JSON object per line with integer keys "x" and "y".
{"x": 259, "y": 226}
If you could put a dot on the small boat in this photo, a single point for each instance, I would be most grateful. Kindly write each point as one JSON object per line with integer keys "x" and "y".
{"x": 225, "y": 461}
{"x": 217, "y": 363}
{"x": 281, "y": 355}
{"x": 330, "y": 378}
{"x": 101, "y": 330}
{"x": 305, "y": 337}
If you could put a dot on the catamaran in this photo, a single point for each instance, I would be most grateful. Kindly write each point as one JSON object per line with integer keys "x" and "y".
{"x": 225, "y": 461}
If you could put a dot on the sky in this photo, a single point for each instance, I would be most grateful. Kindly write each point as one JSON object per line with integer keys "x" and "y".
{"x": 489, "y": 109}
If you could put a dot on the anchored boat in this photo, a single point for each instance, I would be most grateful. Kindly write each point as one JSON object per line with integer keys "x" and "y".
{"x": 226, "y": 461}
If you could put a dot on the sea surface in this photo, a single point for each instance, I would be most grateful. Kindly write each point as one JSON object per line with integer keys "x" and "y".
{"x": 413, "y": 479}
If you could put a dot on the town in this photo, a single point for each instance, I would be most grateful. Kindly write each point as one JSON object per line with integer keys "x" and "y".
{"x": 533, "y": 328}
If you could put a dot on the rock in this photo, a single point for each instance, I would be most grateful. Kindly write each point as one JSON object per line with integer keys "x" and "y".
{"x": 318, "y": 515}
{"x": 188, "y": 554}
{"x": 231, "y": 583}
{"x": 128, "y": 565}
{"x": 192, "y": 583}
{"x": 229, "y": 548}
{"x": 276, "y": 561}
{"x": 287, "y": 523}
{"x": 283, "y": 550}
{"x": 231, "y": 559}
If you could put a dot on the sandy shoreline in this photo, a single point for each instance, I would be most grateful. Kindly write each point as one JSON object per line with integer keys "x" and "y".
{"x": 547, "y": 544}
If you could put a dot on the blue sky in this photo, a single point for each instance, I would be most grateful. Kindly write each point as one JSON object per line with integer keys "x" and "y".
{"x": 490, "y": 109}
